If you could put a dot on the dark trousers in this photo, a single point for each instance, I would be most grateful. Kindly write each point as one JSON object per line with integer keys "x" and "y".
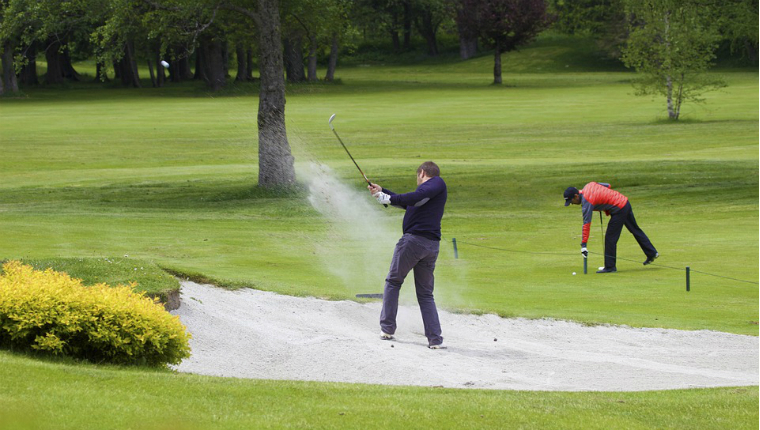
{"x": 420, "y": 254}
{"x": 624, "y": 218}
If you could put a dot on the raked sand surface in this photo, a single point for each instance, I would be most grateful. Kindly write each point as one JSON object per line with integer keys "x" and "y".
{"x": 254, "y": 334}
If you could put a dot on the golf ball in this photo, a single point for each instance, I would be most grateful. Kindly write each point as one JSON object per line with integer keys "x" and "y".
{"x": 165, "y": 64}
{"x": 573, "y": 273}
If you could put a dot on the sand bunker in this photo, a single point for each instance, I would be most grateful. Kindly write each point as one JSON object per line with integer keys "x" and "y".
{"x": 254, "y": 334}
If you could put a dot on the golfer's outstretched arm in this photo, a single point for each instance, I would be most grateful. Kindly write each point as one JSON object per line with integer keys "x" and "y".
{"x": 421, "y": 195}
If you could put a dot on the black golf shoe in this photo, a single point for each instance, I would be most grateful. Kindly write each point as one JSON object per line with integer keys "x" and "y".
{"x": 651, "y": 259}
{"x": 606, "y": 270}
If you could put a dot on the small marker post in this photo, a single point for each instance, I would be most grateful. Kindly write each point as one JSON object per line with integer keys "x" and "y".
{"x": 456, "y": 253}
{"x": 688, "y": 283}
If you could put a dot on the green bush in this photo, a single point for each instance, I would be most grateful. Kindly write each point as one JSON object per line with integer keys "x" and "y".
{"x": 52, "y": 312}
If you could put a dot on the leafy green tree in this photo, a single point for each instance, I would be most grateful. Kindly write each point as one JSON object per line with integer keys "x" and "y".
{"x": 672, "y": 45}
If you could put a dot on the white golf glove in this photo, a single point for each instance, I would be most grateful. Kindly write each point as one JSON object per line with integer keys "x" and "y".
{"x": 382, "y": 198}
{"x": 584, "y": 252}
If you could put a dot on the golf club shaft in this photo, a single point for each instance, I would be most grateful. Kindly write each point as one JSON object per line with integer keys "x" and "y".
{"x": 352, "y": 158}
{"x": 329, "y": 122}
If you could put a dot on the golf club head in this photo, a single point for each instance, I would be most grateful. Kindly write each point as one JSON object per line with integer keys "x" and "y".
{"x": 329, "y": 121}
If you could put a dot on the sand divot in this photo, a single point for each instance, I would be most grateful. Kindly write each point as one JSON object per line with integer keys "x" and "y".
{"x": 254, "y": 334}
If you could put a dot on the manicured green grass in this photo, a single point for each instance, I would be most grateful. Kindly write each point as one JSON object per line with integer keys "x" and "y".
{"x": 67, "y": 396}
{"x": 159, "y": 175}
{"x": 168, "y": 176}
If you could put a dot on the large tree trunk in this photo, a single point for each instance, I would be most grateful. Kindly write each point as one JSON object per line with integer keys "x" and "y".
{"x": 128, "y": 67}
{"x": 67, "y": 68}
{"x": 2, "y": 90}
{"x": 28, "y": 75}
{"x": 200, "y": 64}
{"x": 242, "y": 63}
{"x": 275, "y": 160}
{"x": 152, "y": 75}
{"x": 179, "y": 69}
{"x": 313, "y": 60}
{"x": 213, "y": 59}
{"x": 225, "y": 59}
{"x": 468, "y": 39}
{"x": 249, "y": 60}
{"x": 428, "y": 29}
{"x": 9, "y": 71}
{"x": 497, "y": 65}
{"x": 54, "y": 74}
{"x": 294, "y": 58}
{"x": 333, "y": 61}
{"x": 751, "y": 49}
{"x": 160, "y": 70}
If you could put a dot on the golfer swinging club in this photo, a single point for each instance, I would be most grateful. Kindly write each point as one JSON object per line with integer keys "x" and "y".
{"x": 417, "y": 249}
{"x": 600, "y": 197}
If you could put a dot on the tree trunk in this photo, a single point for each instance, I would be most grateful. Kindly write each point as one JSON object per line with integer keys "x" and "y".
{"x": 2, "y": 91}
{"x": 249, "y": 60}
{"x": 395, "y": 40}
{"x": 467, "y": 47}
{"x": 28, "y": 74}
{"x": 333, "y": 61}
{"x": 213, "y": 56}
{"x": 313, "y": 61}
{"x": 497, "y": 65}
{"x": 242, "y": 63}
{"x": 152, "y": 75}
{"x": 428, "y": 29}
{"x": 669, "y": 92}
{"x": 294, "y": 69}
{"x": 160, "y": 70}
{"x": 54, "y": 74}
{"x": 100, "y": 72}
{"x": 407, "y": 24}
{"x": 67, "y": 68}
{"x": 129, "y": 74}
{"x": 200, "y": 63}
{"x": 225, "y": 59}
{"x": 9, "y": 71}
{"x": 185, "y": 72}
{"x": 468, "y": 38}
{"x": 117, "y": 70}
{"x": 275, "y": 160}
{"x": 751, "y": 51}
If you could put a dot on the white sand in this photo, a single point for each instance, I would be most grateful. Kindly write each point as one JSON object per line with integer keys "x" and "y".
{"x": 254, "y": 334}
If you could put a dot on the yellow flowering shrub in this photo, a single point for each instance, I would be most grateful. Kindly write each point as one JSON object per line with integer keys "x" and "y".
{"x": 53, "y": 312}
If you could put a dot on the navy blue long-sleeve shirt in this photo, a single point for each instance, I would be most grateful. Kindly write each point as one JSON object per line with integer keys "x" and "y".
{"x": 424, "y": 208}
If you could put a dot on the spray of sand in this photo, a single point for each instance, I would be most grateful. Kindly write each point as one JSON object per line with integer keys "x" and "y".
{"x": 360, "y": 238}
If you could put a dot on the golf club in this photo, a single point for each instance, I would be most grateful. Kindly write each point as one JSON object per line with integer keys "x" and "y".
{"x": 329, "y": 122}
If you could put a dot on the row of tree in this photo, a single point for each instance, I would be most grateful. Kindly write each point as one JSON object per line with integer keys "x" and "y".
{"x": 671, "y": 42}
{"x": 198, "y": 38}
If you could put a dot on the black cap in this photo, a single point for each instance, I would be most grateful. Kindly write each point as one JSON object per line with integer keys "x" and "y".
{"x": 570, "y": 192}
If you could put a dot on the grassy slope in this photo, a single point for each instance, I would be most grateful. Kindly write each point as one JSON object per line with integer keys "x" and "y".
{"x": 116, "y": 398}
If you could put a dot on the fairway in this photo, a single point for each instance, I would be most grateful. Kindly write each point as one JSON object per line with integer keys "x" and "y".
{"x": 167, "y": 178}
{"x": 170, "y": 177}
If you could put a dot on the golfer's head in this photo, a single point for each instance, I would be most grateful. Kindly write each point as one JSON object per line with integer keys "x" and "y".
{"x": 572, "y": 196}
{"x": 426, "y": 171}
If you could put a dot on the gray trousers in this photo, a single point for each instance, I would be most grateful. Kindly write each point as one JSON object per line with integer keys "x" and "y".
{"x": 420, "y": 254}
